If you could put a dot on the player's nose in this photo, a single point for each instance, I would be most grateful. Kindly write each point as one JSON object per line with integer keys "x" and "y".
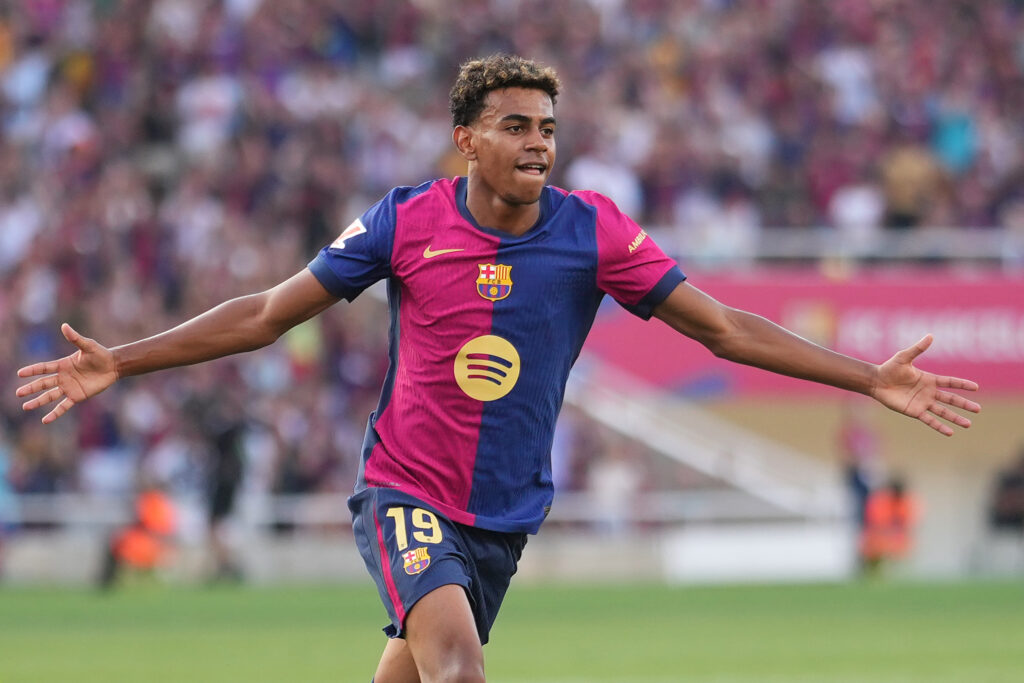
{"x": 535, "y": 141}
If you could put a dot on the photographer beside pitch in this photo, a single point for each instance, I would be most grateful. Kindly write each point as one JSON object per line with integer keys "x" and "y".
{"x": 493, "y": 284}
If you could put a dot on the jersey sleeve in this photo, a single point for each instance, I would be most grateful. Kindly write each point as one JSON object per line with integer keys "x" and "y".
{"x": 631, "y": 268}
{"x": 361, "y": 254}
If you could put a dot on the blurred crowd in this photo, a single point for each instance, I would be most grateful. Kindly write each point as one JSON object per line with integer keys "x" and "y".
{"x": 159, "y": 156}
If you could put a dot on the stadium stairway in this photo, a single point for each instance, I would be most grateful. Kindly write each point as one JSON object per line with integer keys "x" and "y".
{"x": 756, "y": 473}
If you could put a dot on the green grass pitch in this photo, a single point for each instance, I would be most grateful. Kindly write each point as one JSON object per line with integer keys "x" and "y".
{"x": 870, "y": 632}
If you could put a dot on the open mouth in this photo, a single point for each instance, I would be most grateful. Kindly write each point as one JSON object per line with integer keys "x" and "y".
{"x": 532, "y": 169}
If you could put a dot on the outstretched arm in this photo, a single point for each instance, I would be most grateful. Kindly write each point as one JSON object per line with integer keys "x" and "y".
{"x": 242, "y": 324}
{"x": 752, "y": 340}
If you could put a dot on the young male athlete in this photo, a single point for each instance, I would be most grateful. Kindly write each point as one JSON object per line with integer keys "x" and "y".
{"x": 493, "y": 281}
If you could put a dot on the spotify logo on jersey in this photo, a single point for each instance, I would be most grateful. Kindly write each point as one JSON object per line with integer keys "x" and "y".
{"x": 487, "y": 367}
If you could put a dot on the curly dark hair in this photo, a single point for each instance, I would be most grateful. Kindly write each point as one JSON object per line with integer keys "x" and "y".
{"x": 478, "y": 77}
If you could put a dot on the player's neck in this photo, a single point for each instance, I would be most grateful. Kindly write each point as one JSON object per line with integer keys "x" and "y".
{"x": 490, "y": 210}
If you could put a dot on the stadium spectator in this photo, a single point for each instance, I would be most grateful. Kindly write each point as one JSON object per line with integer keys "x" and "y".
{"x": 858, "y": 449}
{"x": 913, "y": 184}
{"x": 1007, "y": 506}
{"x": 615, "y": 477}
{"x": 145, "y": 543}
{"x": 8, "y": 506}
{"x": 890, "y": 517}
{"x": 218, "y": 415}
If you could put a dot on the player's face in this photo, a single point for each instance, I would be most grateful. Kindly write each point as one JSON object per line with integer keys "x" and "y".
{"x": 514, "y": 143}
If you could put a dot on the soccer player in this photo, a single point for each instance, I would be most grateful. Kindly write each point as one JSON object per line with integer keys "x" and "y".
{"x": 493, "y": 282}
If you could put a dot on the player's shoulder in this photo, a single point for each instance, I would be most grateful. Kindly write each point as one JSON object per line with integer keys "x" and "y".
{"x": 441, "y": 188}
{"x": 594, "y": 208}
{"x": 410, "y": 200}
{"x": 591, "y": 199}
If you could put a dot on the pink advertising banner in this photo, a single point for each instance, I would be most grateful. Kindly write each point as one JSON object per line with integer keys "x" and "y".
{"x": 977, "y": 319}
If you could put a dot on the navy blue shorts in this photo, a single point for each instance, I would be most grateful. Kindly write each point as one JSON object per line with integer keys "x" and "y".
{"x": 411, "y": 549}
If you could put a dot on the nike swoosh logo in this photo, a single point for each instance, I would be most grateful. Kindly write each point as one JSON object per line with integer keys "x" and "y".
{"x": 430, "y": 253}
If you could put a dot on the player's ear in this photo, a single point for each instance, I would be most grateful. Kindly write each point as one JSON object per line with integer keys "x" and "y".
{"x": 465, "y": 142}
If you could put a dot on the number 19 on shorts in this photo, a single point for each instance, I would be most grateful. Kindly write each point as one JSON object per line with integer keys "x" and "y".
{"x": 424, "y": 523}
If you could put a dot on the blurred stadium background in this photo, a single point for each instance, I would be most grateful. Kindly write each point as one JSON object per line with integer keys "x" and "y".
{"x": 852, "y": 170}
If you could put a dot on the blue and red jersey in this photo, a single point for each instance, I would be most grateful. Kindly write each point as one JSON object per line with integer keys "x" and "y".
{"x": 485, "y": 327}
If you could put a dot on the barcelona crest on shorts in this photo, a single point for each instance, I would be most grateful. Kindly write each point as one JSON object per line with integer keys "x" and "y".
{"x": 494, "y": 282}
{"x": 416, "y": 560}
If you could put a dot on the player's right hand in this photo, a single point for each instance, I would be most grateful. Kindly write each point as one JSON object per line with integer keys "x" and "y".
{"x": 71, "y": 379}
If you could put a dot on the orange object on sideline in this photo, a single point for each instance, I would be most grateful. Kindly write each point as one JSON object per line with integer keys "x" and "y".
{"x": 138, "y": 548}
{"x": 142, "y": 545}
{"x": 888, "y": 522}
{"x": 156, "y": 512}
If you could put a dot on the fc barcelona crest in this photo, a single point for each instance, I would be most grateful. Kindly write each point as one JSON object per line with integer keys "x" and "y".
{"x": 416, "y": 560}
{"x": 495, "y": 281}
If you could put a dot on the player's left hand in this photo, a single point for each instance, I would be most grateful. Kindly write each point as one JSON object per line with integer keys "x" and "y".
{"x": 923, "y": 395}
